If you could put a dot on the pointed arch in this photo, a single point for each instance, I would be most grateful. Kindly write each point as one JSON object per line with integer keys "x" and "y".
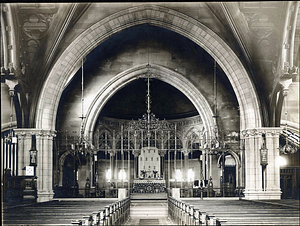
{"x": 61, "y": 162}
{"x": 250, "y": 111}
{"x": 237, "y": 164}
{"x": 169, "y": 76}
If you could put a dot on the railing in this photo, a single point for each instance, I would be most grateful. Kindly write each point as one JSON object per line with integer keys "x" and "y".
{"x": 114, "y": 214}
{"x": 71, "y": 192}
{"x": 19, "y": 189}
{"x": 216, "y": 192}
{"x": 185, "y": 214}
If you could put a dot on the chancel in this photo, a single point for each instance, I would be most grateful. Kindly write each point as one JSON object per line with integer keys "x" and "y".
{"x": 150, "y": 113}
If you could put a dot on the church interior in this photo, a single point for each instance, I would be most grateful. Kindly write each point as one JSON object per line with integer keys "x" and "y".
{"x": 126, "y": 105}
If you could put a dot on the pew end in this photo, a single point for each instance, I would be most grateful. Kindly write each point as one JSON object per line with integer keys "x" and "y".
{"x": 220, "y": 222}
{"x": 76, "y": 222}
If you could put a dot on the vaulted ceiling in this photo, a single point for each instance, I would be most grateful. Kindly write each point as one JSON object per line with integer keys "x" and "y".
{"x": 253, "y": 30}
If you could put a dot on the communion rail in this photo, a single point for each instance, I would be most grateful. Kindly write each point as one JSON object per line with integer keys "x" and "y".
{"x": 114, "y": 214}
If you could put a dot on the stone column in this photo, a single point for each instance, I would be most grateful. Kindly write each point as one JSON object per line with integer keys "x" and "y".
{"x": 186, "y": 164}
{"x": 44, "y": 168}
{"x": 49, "y": 168}
{"x": 251, "y": 164}
{"x": 253, "y": 169}
{"x": 24, "y": 146}
{"x": 203, "y": 164}
{"x": 39, "y": 148}
{"x": 27, "y": 147}
{"x": 162, "y": 160}
{"x": 136, "y": 154}
{"x": 61, "y": 175}
{"x": 273, "y": 168}
{"x": 44, "y": 141}
{"x": 112, "y": 171}
{"x": 185, "y": 174}
{"x": 135, "y": 166}
{"x": 258, "y": 139}
{"x": 242, "y": 167}
{"x": 21, "y": 138}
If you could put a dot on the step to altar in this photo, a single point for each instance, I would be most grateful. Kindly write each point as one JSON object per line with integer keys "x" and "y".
{"x": 148, "y": 196}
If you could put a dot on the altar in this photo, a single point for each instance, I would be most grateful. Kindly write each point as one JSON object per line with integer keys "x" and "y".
{"x": 149, "y": 186}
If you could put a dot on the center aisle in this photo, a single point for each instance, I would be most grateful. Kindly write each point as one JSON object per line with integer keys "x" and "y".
{"x": 149, "y": 209}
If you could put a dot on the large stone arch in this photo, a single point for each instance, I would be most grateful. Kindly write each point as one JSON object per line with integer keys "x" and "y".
{"x": 250, "y": 113}
{"x": 173, "y": 78}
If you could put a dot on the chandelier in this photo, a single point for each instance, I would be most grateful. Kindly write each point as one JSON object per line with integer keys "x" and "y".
{"x": 287, "y": 148}
{"x": 83, "y": 146}
{"x": 148, "y": 122}
{"x": 11, "y": 138}
{"x": 217, "y": 145}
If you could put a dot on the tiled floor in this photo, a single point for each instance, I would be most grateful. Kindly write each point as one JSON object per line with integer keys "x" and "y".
{"x": 149, "y": 212}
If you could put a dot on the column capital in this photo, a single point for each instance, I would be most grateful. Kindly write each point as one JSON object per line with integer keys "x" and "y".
{"x": 162, "y": 152}
{"x": 136, "y": 153}
{"x": 37, "y": 132}
{"x": 11, "y": 83}
{"x": 112, "y": 152}
{"x": 269, "y": 131}
{"x": 185, "y": 151}
{"x": 285, "y": 82}
{"x": 22, "y": 134}
{"x": 248, "y": 133}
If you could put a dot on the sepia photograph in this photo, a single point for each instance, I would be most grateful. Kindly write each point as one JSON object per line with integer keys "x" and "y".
{"x": 150, "y": 113}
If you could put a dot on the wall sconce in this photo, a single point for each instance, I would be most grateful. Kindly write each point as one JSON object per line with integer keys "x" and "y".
{"x": 191, "y": 175}
{"x": 281, "y": 161}
{"x": 122, "y": 175}
{"x": 108, "y": 175}
{"x": 178, "y": 175}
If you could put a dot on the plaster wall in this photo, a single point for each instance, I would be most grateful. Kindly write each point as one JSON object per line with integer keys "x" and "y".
{"x": 124, "y": 52}
{"x": 197, "y": 10}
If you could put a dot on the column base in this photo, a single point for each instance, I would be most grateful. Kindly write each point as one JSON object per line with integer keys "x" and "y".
{"x": 45, "y": 195}
{"x": 262, "y": 195}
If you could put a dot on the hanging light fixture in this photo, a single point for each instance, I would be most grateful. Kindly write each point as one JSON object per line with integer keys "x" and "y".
{"x": 216, "y": 144}
{"x": 83, "y": 146}
{"x": 287, "y": 148}
{"x": 11, "y": 138}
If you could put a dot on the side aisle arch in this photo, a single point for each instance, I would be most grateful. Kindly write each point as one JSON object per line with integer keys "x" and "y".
{"x": 62, "y": 161}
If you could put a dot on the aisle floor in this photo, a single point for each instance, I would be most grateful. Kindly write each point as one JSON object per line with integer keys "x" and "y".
{"x": 149, "y": 212}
